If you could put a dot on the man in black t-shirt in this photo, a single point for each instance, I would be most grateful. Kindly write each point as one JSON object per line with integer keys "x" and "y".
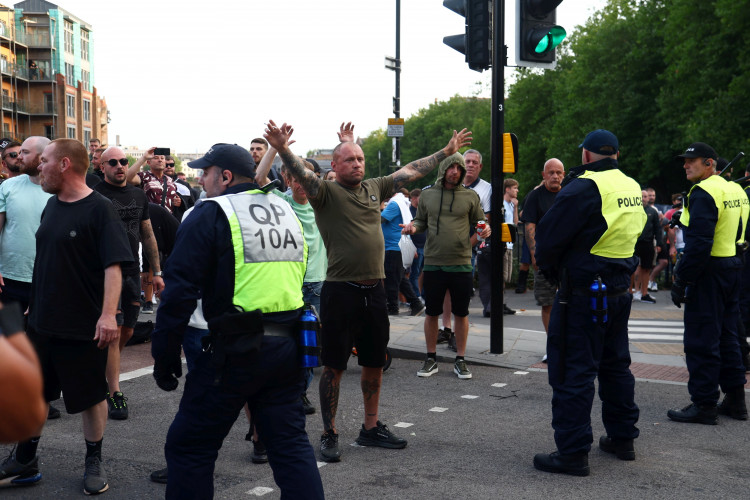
{"x": 536, "y": 205}
{"x": 131, "y": 205}
{"x": 76, "y": 284}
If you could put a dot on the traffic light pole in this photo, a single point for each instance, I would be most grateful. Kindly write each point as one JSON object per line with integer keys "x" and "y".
{"x": 497, "y": 219}
{"x": 397, "y": 98}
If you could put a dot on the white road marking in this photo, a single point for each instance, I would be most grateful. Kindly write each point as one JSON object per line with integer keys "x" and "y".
{"x": 520, "y": 373}
{"x": 259, "y": 491}
{"x": 136, "y": 373}
{"x": 643, "y": 336}
{"x": 438, "y": 409}
{"x": 469, "y": 396}
{"x": 403, "y": 424}
{"x": 499, "y": 385}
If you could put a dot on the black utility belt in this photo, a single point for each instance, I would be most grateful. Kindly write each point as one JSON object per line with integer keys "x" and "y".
{"x": 277, "y": 330}
{"x": 585, "y": 292}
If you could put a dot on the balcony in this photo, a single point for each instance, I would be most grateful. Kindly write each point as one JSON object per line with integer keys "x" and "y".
{"x": 40, "y": 39}
{"x": 42, "y": 73}
{"x": 15, "y": 106}
{"x": 14, "y": 69}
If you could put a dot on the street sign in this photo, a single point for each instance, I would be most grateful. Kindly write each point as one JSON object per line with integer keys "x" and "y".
{"x": 395, "y": 127}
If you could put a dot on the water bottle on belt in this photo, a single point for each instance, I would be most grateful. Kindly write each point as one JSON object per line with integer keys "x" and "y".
{"x": 309, "y": 335}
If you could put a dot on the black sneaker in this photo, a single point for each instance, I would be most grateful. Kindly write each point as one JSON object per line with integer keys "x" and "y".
{"x": 621, "y": 448}
{"x": 53, "y": 413}
{"x": 259, "y": 453}
{"x": 159, "y": 476}
{"x": 444, "y": 335}
{"x": 417, "y": 309}
{"x": 452, "y": 342}
{"x": 94, "y": 478}
{"x": 307, "y": 405}
{"x": 148, "y": 308}
{"x": 329, "y": 446}
{"x": 507, "y": 310}
{"x": 648, "y": 298}
{"x": 15, "y": 473}
{"x": 380, "y": 436}
{"x": 118, "y": 408}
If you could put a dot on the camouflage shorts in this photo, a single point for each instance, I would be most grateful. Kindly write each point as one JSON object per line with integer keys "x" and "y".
{"x": 544, "y": 290}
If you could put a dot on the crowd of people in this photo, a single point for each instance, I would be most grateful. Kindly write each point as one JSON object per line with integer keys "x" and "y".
{"x": 88, "y": 240}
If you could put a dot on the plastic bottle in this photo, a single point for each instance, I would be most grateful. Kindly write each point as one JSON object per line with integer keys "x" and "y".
{"x": 599, "y": 297}
{"x": 308, "y": 338}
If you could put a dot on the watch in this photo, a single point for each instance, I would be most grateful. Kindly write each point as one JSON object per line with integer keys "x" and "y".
{"x": 158, "y": 273}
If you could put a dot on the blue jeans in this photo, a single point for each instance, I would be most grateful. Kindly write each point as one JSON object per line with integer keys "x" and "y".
{"x": 416, "y": 269}
{"x": 311, "y": 294}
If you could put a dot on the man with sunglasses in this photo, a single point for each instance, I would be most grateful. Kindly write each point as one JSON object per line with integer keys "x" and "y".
{"x": 22, "y": 201}
{"x": 10, "y": 162}
{"x": 131, "y": 206}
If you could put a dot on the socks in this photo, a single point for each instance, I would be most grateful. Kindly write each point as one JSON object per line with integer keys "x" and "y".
{"x": 432, "y": 355}
{"x": 26, "y": 450}
{"x": 459, "y": 358}
{"x": 93, "y": 448}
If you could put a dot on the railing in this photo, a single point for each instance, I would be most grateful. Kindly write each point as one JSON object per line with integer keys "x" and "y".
{"x": 16, "y": 106}
{"x": 18, "y": 70}
{"x": 38, "y": 40}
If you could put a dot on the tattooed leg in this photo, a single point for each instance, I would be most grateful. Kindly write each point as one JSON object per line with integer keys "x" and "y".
{"x": 371, "y": 381}
{"x": 330, "y": 382}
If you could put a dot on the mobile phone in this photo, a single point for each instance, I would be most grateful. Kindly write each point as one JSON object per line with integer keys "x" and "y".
{"x": 162, "y": 151}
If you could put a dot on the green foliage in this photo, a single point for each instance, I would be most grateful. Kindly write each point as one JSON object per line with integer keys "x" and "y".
{"x": 429, "y": 130}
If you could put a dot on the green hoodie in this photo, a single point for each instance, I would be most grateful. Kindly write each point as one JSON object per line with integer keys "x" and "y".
{"x": 449, "y": 215}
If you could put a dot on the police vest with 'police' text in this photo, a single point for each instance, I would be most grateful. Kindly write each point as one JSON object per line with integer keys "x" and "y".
{"x": 622, "y": 209}
{"x": 733, "y": 208}
{"x": 270, "y": 252}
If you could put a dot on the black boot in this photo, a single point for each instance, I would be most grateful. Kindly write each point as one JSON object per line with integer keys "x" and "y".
{"x": 575, "y": 465}
{"x": 694, "y": 414}
{"x": 734, "y": 404}
{"x": 621, "y": 448}
{"x": 523, "y": 277}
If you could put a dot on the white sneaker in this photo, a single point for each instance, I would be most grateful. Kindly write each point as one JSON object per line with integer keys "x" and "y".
{"x": 637, "y": 296}
{"x": 652, "y": 286}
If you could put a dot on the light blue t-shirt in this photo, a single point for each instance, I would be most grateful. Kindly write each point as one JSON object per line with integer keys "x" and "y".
{"x": 392, "y": 230}
{"x": 317, "y": 259}
{"x": 23, "y": 203}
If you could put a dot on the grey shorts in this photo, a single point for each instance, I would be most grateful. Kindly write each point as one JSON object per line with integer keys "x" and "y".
{"x": 544, "y": 290}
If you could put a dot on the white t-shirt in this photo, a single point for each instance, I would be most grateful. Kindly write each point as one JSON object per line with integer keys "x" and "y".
{"x": 509, "y": 212}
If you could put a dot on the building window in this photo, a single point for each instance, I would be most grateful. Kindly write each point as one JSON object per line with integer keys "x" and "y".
{"x": 86, "y": 110}
{"x": 70, "y": 108}
{"x": 71, "y": 131}
{"x": 86, "y": 135}
{"x": 70, "y": 77}
{"x": 49, "y": 103}
{"x": 85, "y": 77}
{"x": 68, "y": 37}
{"x": 84, "y": 45}
{"x": 49, "y": 132}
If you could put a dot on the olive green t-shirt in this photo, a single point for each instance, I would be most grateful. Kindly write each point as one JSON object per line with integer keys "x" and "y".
{"x": 349, "y": 222}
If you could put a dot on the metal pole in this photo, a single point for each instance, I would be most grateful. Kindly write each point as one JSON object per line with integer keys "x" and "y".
{"x": 498, "y": 125}
{"x": 397, "y": 99}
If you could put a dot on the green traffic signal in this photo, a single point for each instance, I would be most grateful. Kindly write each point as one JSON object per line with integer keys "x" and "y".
{"x": 554, "y": 37}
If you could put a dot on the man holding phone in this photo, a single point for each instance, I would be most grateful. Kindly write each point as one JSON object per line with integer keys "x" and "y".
{"x": 153, "y": 181}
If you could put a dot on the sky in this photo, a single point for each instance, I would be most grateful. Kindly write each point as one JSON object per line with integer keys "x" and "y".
{"x": 187, "y": 74}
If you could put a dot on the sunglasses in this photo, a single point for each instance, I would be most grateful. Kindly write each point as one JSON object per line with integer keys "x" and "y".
{"x": 121, "y": 161}
{"x": 12, "y": 155}
{"x": 169, "y": 165}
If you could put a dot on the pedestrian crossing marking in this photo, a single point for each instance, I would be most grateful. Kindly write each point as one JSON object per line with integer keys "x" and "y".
{"x": 403, "y": 424}
{"x": 469, "y": 396}
{"x": 499, "y": 385}
{"x": 321, "y": 464}
{"x": 438, "y": 409}
{"x": 520, "y": 373}
{"x": 259, "y": 491}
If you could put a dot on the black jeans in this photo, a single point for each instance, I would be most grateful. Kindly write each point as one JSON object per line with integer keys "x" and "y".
{"x": 395, "y": 281}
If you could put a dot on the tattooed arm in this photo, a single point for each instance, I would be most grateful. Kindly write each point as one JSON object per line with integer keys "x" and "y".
{"x": 278, "y": 138}
{"x": 419, "y": 168}
{"x": 530, "y": 230}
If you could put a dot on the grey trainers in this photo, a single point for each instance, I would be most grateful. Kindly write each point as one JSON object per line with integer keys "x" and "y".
{"x": 460, "y": 369}
{"x": 428, "y": 368}
{"x": 94, "y": 478}
{"x": 15, "y": 473}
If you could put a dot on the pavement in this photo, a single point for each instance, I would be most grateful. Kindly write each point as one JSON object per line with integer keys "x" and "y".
{"x": 657, "y": 358}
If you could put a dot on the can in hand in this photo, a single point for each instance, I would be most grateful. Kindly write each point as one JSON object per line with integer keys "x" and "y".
{"x": 480, "y": 227}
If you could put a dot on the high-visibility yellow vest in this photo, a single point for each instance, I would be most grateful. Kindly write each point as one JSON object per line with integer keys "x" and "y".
{"x": 622, "y": 209}
{"x": 733, "y": 207}
{"x": 270, "y": 253}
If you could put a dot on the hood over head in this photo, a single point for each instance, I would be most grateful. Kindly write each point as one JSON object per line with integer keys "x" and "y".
{"x": 446, "y": 164}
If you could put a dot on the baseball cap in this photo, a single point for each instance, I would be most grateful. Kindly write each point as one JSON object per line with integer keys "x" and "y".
{"x": 699, "y": 150}
{"x": 230, "y": 157}
{"x": 602, "y": 142}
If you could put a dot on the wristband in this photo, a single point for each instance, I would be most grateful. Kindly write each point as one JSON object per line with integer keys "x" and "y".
{"x": 158, "y": 273}
{"x": 11, "y": 319}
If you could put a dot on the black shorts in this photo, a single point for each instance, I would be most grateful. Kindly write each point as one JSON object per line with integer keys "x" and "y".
{"x": 75, "y": 367}
{"x": 663, "y": 253}
{"x": 353, "y": 314}
{"x": 645, "y": 251}
{"x": 436, "y": 283}
{"x": 127, "y": 315}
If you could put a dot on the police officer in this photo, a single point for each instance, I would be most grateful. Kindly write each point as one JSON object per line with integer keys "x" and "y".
{"x": 587, "y": 240}
{"x": 243, "y": 251}
{"x": 707, "y": 281}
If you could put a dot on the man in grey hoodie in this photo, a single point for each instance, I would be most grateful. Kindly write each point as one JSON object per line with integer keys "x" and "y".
{"x": 448, "y": 210}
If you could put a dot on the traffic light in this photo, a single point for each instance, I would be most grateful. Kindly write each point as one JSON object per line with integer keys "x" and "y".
{"x": 537, "y": 33}
{"x": 476, "y": 42}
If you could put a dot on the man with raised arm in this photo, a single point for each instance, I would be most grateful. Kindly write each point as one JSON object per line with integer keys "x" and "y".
{"x": 347, "y": 211}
